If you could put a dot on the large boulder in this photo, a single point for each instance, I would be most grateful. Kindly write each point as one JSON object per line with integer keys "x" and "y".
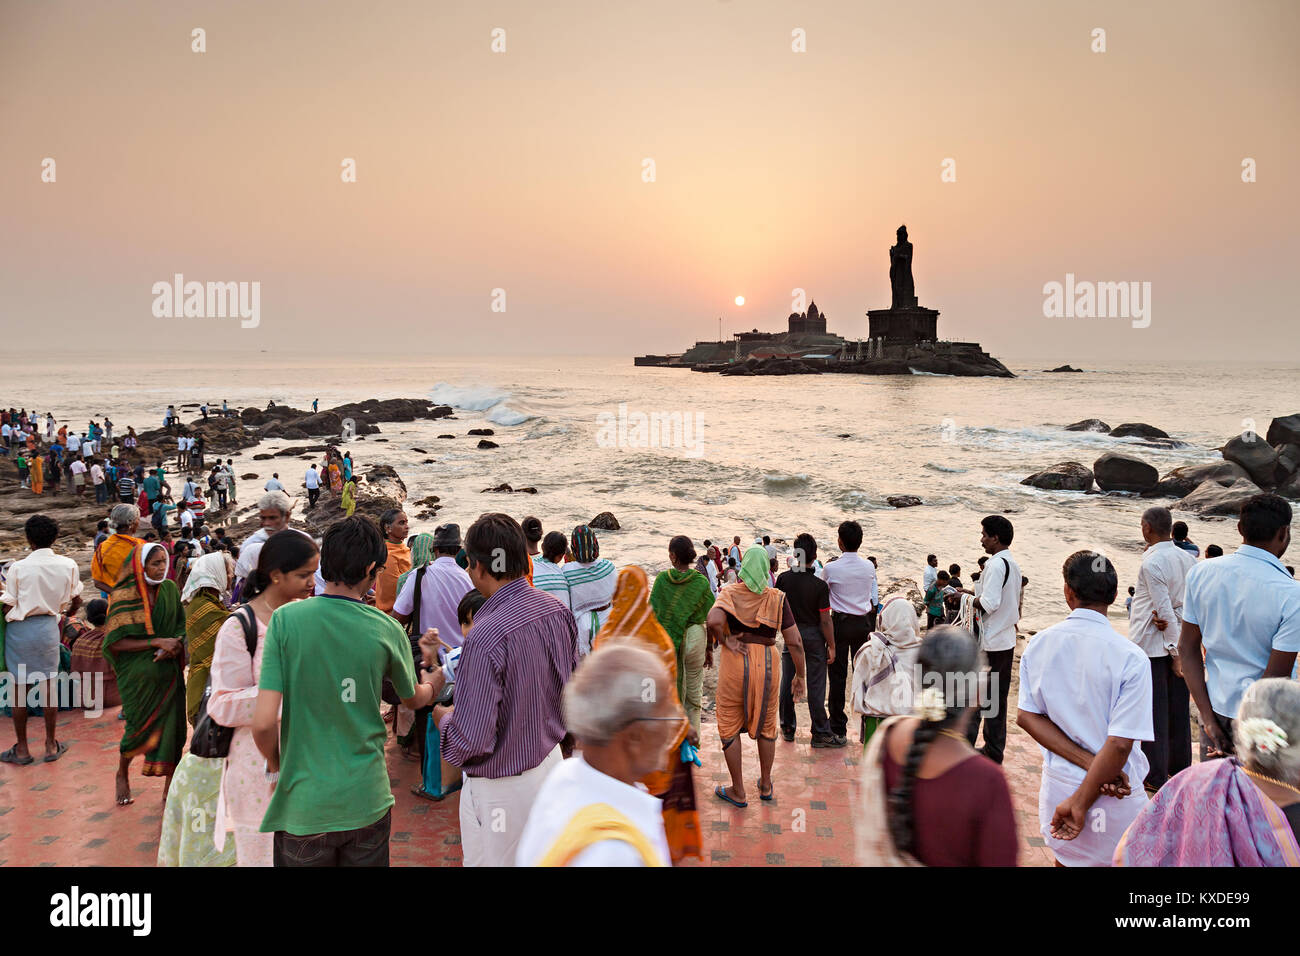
{"x": 1211, "y": 498}
{"x": 1257, "y": 456}
{"x": 904, "y": 587}
{"x": 1118, "y": 472}
{"x": 1291, "y": 487}
{"x": 1284, "y": 430}
{"x": 1064, "y": 476}
{"x": 378, "y": 490}
{"x": 1183, "y": 481}
{"x": 605, "y": 521}
{"x": 1288, "y": 459}
{"x": 322, "y": 423}
{"x": 1089, "y": 425}
{"x": 1137, "y": 430}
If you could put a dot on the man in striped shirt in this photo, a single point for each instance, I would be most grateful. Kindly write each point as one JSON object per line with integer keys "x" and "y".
{"x": 506, "y": 727}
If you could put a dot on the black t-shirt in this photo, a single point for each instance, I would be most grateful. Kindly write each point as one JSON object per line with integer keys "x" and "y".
{"x": 807, "y": 595}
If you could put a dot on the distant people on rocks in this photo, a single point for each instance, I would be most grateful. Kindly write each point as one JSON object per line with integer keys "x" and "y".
{"x": 273, "y": 483}
{"x": 311, "y": 480}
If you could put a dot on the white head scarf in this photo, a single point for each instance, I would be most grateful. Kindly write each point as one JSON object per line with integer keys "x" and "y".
{"x": 208, "y": 571}
{"x": 898, "y": 623}
{"x": 144, "y": 560}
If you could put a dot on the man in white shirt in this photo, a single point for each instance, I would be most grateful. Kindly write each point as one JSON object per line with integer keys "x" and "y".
{"x": 1155, "y": 620}
{"x": 998, "y": 611}
{"x": 37, "y": 589}
{"x": 1085, "y": 697}
{"x": 78, "y": 471}
{"x": 182, "y": 452}
{"x": 592, "y": 810}
{"x": 273, "y": 510}
{"x": 74, "y": 444}
{"x": 97, "y": 479}
{"x": 273, "y": 483}
{"x": 441, "y": 586}
{"x": 854, "y": 596}
{"x": 312, "y": 482}
{"x": 1245, "y": 609}
{"x": 931, "y": 571}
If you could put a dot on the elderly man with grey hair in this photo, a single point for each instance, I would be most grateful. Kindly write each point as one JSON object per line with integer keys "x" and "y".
{"x": 591, "y": 811}
{"x": 1154, "y": 625}
{"x": 273, "y": 511}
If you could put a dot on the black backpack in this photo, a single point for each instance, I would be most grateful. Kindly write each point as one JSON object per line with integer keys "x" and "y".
{"x": 210, "y": 738}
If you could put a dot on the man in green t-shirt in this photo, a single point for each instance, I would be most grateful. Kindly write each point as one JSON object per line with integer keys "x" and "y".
{"x": 318, "y": 720}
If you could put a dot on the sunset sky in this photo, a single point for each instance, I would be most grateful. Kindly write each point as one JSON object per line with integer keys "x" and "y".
{"x": 522, "y": 170}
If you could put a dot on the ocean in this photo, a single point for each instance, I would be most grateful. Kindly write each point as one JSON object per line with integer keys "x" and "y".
{"x": 677, "y": 452}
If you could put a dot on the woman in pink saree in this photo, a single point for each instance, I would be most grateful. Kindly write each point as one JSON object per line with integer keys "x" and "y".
{"x": 1238, "y": 811}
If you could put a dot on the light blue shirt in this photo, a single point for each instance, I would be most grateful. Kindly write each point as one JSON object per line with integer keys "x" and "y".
{"x": 1247, "y": 606}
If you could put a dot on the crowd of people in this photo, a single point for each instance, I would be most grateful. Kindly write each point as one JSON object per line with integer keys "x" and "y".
{"x": 562, "y": 695}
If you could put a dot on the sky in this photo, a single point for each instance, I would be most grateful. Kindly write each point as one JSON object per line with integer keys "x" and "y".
{"x": 501, "y": 201}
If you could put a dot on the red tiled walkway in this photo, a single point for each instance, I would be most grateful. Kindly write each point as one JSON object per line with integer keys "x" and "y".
{"x": 63, "y": 814}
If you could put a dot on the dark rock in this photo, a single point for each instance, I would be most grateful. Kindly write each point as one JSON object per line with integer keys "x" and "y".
{"x": 322, "y": 423}
{"x": 1063, "y": 368}
{"x": 1212, "y": 498}
{"x": 846, "y": 435}
{"x": 1288, "y": 458}
{"x": 429, "y": 501}
{"x": 1065, "y": 476}
{"x": 446, "y": 436}
{"x": 1284, "y": 430}
{"x": 484, "y": 443}
{"x": 263, "y": 457}
{"x": 381, "y": 439}
{"x": 499, "y": 488}
{"x": 1291, "y": 487}
{"x": 1183, "y": 481}
{"x": 904, "y": 501}
{"x": 1089, "y": 425}
{"x": 294, "y": 433}
{"x": 1117, "y": 472}
{"x": 1137, "y": 430}
{"x": 272, "y": 429}
{"x": 481, "y": 431}
{"x": 605, "y": 521}
{"x": 378, "y": 490}
{"x": 249, "y": 477}
{"x": 295, "y": 450}
{"x": 420, "y": 450}
{"x": 1258, "y": 457}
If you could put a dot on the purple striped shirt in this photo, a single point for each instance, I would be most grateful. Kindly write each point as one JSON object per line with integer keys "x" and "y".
{"x": 509, "y": 683}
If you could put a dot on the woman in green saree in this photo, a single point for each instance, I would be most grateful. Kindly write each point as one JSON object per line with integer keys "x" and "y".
{"x": 681, "y": 599}
{"x": 144, "y": 643}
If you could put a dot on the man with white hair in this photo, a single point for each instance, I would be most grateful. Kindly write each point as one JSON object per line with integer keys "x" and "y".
{"x": 273, "y": 510}
{"x": 591, "y": 811}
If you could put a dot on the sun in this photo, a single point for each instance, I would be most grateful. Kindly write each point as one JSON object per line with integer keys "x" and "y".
{"x": 740, "y": 300}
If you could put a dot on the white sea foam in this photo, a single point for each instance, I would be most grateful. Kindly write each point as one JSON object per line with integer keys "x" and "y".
{"x": 472, "y": 398}
{"x": 945, "y": 468}
{"x": 505, "y": 415}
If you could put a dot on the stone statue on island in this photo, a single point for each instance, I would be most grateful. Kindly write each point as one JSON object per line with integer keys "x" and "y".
{"x": 900, "y": 272}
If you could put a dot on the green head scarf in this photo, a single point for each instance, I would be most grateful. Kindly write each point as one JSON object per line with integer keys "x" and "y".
{"x": 755, "y": 568}
{"x": 421, "y": 554}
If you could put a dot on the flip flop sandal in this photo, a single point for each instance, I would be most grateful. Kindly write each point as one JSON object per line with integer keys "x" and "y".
{"x": 11, "y": 756}
{"x": 63, "y": 748}
{"x": 721, "y": 793}
{"x": 766, "y": 797}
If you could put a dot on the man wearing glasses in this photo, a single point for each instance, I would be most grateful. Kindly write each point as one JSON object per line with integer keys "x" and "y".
{"x": 591, "y": 811}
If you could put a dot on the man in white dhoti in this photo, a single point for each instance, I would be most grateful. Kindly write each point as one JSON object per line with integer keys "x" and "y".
{"x": 1085, "y": 696}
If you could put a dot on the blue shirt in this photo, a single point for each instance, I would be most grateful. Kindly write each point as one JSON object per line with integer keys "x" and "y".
{"x": 1247, "y": 606}
{"x": 1188, "y": 547}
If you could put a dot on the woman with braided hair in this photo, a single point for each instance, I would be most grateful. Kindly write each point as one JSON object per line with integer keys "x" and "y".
{"x": 927, "y": 798}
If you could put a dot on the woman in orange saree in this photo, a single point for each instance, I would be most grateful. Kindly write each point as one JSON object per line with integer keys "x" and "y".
{"x": 632, "y": 620}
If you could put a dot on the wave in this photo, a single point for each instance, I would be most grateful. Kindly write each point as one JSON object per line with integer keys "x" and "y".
{"x": 779, "y": 481}
{"x": 917, "y": 371}
{"x": 945, "y": 469}
{"x": 505, "y": 415}
{"x": 472, "y": 398}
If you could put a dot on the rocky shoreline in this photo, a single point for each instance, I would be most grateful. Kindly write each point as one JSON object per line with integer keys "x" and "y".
{"x": 1251, "y": 464}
